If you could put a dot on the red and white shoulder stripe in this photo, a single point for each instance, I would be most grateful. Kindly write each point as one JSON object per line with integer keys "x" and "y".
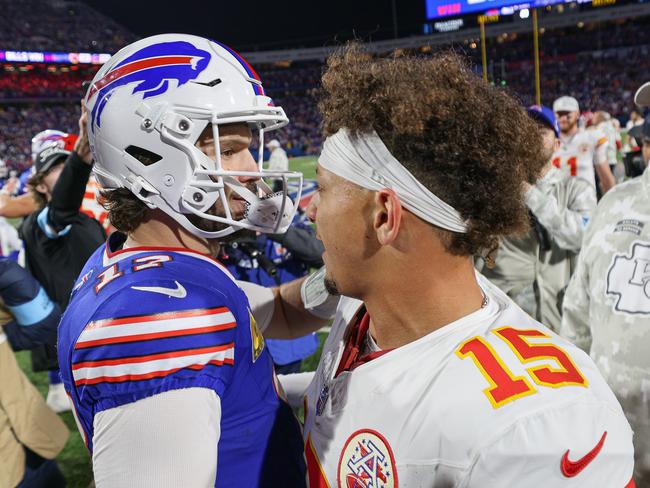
{"x": 156, "y": 326}
{"x": 138, "y": 348}
{"x": 151, "y": 366}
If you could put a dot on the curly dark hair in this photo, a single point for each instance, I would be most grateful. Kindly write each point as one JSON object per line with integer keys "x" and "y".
{"x": 468, "y": 142}
{"x": 125, "y": 211}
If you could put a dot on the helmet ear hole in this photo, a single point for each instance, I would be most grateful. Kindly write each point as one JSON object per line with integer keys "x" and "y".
{"x": 147, "y": 158}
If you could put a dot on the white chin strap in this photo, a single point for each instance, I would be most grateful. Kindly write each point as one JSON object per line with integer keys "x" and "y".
{"x": 364, "y": 160}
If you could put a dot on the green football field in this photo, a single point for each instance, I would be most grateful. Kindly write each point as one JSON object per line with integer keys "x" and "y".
{"x": 306, "y": 164}
{"x": 74, "y": 460}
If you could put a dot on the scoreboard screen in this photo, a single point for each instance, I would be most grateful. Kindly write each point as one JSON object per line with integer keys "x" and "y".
{"x": 446, "y": 8}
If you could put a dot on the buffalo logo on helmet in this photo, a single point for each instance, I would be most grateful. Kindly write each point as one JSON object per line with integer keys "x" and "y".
{"x": 152, "y": 68}
{"x": 367, "y": 461}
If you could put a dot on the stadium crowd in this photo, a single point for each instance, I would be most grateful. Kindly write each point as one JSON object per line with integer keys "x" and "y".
{"x": 540, "y": 217}
{"x": 42, "y": 82}
{"x": 614, "y": 53}
{"x": 21, "y": 122}
{"x": 62, "y": 26}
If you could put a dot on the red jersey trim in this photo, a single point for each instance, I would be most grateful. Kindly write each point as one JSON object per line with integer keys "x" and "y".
{"x": 153, "y": 357}
{"x": 354, "y": 337}
{"x": 135, "y": 319}
{"x": 148, "y": 376}
{"x": 316, "y": 476}
{"x": 154, "y": 335}
{"x": 112, "y": 254}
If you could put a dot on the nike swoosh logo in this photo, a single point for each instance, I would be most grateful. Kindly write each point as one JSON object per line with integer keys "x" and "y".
{"x": 572, "y": 468}
{"x": 178, "y": 292}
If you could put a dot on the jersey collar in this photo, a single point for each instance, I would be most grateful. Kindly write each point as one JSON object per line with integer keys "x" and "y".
{"x": 114, "y": 252}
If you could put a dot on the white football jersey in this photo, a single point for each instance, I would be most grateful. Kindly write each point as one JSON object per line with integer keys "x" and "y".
{"x": 579, "y": 153}
{"x": 491, "y": 400}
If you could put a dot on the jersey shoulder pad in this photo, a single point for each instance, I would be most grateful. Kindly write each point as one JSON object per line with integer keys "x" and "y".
{"x": 586, "y": 441}
{"x": 598, "y": 137}
{"x": 155, "y": 335}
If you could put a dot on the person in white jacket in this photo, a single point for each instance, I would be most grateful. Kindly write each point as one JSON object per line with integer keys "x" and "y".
{"x": 278, "y": 161}
{"x": 534, "y": 269}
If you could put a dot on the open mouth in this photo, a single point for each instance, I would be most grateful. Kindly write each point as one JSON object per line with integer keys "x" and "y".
{"x": 238, "y": 207}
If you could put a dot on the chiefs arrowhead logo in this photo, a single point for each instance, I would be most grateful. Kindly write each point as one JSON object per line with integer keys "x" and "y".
{"x": 572, "y": 468}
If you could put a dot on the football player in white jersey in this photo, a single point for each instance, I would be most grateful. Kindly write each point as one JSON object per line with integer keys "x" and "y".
{"x": 581, "y": 151}
{"x": 431, "y": 376}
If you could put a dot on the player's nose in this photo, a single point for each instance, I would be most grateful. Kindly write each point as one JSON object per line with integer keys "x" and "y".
{"x": 310, "y": 211}
{"x": 247, "y": 163}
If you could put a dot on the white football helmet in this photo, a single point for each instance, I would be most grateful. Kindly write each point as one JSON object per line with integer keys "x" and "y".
{"x": 155, "y": 97}
{"x": 52, "y": 137}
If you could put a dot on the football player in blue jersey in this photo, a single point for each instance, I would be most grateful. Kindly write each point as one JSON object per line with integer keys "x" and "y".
{"x": 159, "y": 351}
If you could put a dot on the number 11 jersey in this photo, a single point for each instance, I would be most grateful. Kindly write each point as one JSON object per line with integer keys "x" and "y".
{"x": 579, "y": 153}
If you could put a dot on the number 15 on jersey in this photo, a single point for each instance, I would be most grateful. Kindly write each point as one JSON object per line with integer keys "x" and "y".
{"x": 504, "y": 385}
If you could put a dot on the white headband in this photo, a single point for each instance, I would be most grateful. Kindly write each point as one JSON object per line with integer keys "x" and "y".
{"x": 364, "y": 160}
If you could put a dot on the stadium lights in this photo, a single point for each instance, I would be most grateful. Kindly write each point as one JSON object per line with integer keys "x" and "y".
{"x": 524, "y": 13}
{"x": 53, "y": 57}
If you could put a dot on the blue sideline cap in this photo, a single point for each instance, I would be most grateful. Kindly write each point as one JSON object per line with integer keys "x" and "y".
{"x": 545, "y": 116}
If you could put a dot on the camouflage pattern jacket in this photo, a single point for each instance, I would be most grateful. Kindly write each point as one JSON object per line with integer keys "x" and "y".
{"x": 535, "y": 273}
{"x": 607, "y": 304}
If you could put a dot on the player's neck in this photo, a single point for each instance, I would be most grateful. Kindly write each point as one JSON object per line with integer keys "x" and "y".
{"x": 163, "y": 231}
{"x": 420, "y": 295}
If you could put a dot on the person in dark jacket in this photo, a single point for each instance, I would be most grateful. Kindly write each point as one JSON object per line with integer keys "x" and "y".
{"x": 59, "y": 238}
{"x": 32, "y": 316}
{"x": 31, "y": 435}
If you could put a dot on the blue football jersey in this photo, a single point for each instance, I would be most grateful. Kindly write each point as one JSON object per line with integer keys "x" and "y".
{"x": 143, "y": 321}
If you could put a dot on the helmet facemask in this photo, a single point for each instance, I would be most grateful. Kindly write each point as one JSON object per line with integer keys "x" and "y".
{"x": 208, "y": 199}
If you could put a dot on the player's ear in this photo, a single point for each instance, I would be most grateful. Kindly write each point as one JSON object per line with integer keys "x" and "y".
{"x": 388, "y": 216}
{"x": 41, "y": 188}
